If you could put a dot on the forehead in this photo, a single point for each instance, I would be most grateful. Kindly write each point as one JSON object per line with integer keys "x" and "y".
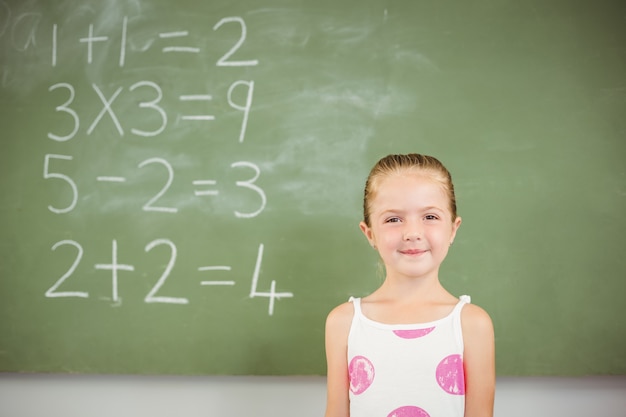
{"x": 409, "y": 188}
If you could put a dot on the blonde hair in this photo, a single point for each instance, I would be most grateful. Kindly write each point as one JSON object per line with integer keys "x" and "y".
{"x": 396, "y": 164}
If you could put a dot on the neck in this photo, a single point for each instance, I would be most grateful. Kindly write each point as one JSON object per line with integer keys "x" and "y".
{"x": 412, "y": 288}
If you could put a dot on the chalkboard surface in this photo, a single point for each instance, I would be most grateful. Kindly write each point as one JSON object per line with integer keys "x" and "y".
{"x": 181, "y": 181}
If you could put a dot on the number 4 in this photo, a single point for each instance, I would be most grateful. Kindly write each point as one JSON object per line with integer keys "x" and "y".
{"x": 272, "y": 294}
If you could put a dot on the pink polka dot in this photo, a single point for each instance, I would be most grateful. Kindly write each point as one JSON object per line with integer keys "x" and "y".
{"x": 413, "y": 334}
{"x": 450, "y": 375}
{"x": 408, "y": 411}
{"x": 361, "y": 373}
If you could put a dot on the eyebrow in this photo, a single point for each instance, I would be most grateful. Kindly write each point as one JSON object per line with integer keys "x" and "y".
{"x": 423, "y": 209}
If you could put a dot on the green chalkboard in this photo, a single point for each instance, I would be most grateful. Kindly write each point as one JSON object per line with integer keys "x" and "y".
{"x": 181, "y": 181}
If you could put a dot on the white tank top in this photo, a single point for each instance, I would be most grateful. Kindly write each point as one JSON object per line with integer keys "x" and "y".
{"x": 406, "y": 370}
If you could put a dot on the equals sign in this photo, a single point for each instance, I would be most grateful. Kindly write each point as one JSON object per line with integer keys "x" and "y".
{"x": 205, "y": 192}
{"x": 181, "y": 34}
{"x": 197, "y": 97}
{"x": 215, "y": 268}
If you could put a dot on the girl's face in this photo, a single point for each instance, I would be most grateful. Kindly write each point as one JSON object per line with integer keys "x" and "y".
{"x": 411, "y": 224}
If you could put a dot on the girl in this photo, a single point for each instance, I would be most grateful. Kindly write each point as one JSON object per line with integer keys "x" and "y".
{"x": 410, "y": 349}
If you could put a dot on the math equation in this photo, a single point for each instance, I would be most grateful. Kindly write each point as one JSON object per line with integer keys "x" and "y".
{"x": 154, "y": 111}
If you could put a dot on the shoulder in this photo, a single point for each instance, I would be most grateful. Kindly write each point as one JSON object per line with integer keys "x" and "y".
{"x": 476, "y": 322}
{"x": 340, "y": 317}
{"x": 475, "y": 314}
{"x": 338, "y": 325}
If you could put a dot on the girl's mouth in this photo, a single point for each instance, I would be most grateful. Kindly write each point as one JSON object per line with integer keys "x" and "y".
{"x": 412, "y": 251}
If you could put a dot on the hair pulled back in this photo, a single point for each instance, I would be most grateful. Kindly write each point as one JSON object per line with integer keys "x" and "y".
{"x": 413, "y": 162}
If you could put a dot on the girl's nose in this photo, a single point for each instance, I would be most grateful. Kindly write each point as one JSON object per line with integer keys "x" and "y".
{"x": 412, "y": 234}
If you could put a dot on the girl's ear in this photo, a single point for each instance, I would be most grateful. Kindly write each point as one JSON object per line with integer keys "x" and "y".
{"x": 455, "y": 226}
{"x": 367, "y": 231}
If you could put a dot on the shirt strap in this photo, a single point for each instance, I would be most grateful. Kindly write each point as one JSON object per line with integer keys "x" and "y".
{"x": 356, "y": 303}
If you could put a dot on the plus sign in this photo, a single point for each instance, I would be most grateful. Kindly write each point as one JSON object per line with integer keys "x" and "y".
{"x": 114, "y": 267}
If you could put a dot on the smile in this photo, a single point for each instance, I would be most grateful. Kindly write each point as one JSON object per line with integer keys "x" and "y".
{"x": 413, "y": 251}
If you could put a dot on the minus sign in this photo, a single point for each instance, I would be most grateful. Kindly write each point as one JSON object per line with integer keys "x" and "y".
{"x": 209, "y": 117}
{"x": 111, "y": 179}
{"x": 217, "y": 283}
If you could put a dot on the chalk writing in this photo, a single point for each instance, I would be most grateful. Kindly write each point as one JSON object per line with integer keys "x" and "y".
{"x": 154, "y": 295}
{"x": 216, "y": 268}
{"x": 63, "y": 108}
{"x": 47, "y": 174}
{"x": 205, "y": 192}
{"x": 31, "y": 21}
{"x": 152, "y": 106}
{"x": 114, "y": 266}
{"x": 152, "y": 204}
{"x": 149, "y": 206}
{"x": 104, "y": 178}
{"x": 155, "y": 106}
{"x": 106, "y": 109}
{"x": 180, "y": 34}
{"x": 224, "y": 60}
{"x": 52, "y": 291}
{"x": 89, "y": 40}
{"x": 272, "y": 294}
{"x": 250, "y": 184}
{"x": 197, "y": 97}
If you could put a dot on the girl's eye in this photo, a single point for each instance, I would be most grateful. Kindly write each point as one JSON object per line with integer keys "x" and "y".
{"x": 392, "y": 220}
{"x": 431, "y": 217}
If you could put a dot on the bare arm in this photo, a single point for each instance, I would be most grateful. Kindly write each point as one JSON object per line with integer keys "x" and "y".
{"x": 479, "y": 362}
{"x": 337, "y": 383}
